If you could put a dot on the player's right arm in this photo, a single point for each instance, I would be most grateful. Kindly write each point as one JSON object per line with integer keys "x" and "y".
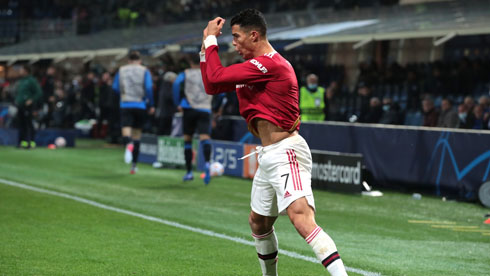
{"x": 215, "y": 88}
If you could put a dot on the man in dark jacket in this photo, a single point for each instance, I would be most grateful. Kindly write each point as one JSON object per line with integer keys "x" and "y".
{"x": 29, "y": 93}
{"x": 448, "y": 116}
{"x": 165, "y": 104}
{"x": 431, "y": 114}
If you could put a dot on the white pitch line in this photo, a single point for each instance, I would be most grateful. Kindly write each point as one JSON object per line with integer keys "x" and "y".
{"x": 174, "y": 224}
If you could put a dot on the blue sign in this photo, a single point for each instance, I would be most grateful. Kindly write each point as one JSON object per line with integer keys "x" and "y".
{"x": 9, "y": 136}
{"x": 148, "y": 148}
{"x": 443, "y": 162}
{"x": 45, "y": 137}
{"x": 447, "y": 163}
{"x": 227, "y": 153}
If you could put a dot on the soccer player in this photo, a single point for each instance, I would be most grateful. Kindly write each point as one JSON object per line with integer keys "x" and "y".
{"x": 267, "y": 91}
{"x": 134, "y": 84}
{"x": 190, "y": 97}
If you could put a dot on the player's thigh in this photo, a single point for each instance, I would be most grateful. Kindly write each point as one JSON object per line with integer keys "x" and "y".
{"x": 204, "y": 123}
{"x": 292, "y": 176}
{"x": 140, "y": 116}
{"x": 127, "y": 119}
{"x": 189, "y": 121}
{"x": 263, "y": 196}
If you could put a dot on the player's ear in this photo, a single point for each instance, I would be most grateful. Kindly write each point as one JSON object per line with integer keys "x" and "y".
{"x": 254, "y": 35}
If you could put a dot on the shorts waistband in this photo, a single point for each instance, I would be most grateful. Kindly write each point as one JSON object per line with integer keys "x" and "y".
{"x": 285, "y": 141}
{"x": 261, "y": 150}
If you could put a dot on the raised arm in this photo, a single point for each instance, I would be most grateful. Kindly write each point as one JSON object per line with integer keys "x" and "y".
{"x": 216, "y": 88}
{"x": 250, "y": 71}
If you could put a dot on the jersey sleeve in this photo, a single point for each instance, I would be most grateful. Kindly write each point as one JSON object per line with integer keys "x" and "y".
{"x": 250, "y": 71}
{"x": 176, "y": 86}
{"x": 115, "y": 83}
{"x": 149, "y": 88}
{"x": 216, "y": 88}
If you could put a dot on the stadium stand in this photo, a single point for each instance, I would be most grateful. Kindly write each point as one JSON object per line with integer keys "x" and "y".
{"x": 337, "y": 40}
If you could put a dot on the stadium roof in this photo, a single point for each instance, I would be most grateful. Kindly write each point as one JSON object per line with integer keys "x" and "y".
{"x": 440, "y": 20}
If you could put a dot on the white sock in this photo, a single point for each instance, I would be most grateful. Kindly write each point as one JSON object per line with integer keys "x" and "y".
{"x": 266, "y": 246}
{"x": 326, "y": 251}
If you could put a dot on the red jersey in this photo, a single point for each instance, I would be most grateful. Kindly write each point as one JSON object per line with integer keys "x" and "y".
{"x": 266, "y": 87}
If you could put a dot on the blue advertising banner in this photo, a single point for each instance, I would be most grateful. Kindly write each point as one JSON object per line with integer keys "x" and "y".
{"x": 446, "y": 162}
{"x": 9, "y": 136}
{"x": 227, "y": 153}
{"x": 44, "y": 137}
{"x": 47, "y": 136}
{"x": 148, "y": 148}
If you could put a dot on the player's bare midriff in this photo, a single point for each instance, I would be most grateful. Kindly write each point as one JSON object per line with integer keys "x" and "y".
{"x": 269, "y": 133}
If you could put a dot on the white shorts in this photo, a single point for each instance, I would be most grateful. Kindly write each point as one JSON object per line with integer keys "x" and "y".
{"x": 283, "y": 176}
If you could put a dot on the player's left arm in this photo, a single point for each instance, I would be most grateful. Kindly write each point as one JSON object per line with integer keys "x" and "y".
{"x": 176, "y": 88}
{"x": 149, "y": 87}
{"x": 149, "y": 91}
{"x": 115, "y": 83}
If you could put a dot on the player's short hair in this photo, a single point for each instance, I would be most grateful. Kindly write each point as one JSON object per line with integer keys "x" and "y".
{"x": 134, "y": 55}
{"x": 250, "y": 19}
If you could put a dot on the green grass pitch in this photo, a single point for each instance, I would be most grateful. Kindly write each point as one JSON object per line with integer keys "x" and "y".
{"x": 43, "y": 234}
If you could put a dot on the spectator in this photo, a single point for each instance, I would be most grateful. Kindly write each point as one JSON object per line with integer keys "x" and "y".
{"x": 470, "y": 103}
{"x": 28, "y": 96}
{"x": 88, "y": 96}
{"x": 465, "y": 121}
{"x": 48, "y": 87}
{"x": 448, "y": 116}
{"x": 61, "y": 109}
{"x": 391, "y": 112}
{"x": 479, "y": 122}
{"x": 375, "y": 111}
{"x": 363, "y": 101}
{"x": 332, "y": 103}
{"x": 485, "y": 103}
{"x": 431, "y": 114}
{"x": 312, "y": 100}
{"x": 412, "y": 87}
{"x": 165, "y": 106}
{"x": 106, "y": 105}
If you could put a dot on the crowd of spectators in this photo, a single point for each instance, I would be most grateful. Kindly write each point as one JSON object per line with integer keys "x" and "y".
{"x": 423, "y": 94}
{"x": 86, "y": 98}
{"x": 440, "y": 94}
{"x": 94, "y": 15}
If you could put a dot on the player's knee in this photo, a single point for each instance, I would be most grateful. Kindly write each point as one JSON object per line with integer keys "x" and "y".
{"x": 255, "y": 222}
{"x": 302, "y": 217}
{"x": 259, "y": 224}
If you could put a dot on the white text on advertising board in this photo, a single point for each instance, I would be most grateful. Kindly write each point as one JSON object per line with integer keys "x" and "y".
{"x": 337, "y": 173}
{"x": 227, "y": 157}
